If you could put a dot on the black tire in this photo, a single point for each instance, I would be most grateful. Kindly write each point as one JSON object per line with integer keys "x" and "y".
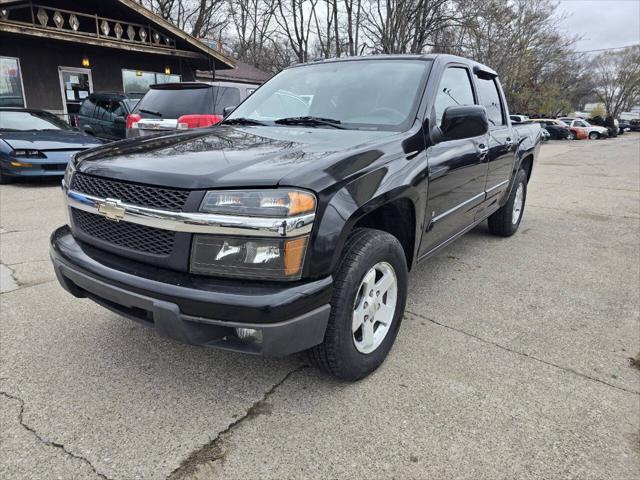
{"x": 571, "y": 136}
{"x": 594, "y": 135}
{"x": 501, "y": 222}
{"x": 337, "y": 355}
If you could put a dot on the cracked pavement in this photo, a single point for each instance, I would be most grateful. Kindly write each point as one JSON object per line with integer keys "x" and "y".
{"x": 513, "y": 360}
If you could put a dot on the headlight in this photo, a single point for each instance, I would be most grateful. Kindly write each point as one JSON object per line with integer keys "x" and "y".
{"x": 71, "y": 168}
{"x": 248, "y": 257}
{"x": 254, "y": 257}
{"x": 259, "y": 203}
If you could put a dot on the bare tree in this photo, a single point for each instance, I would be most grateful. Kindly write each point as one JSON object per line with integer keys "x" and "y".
{"x": 407, "y": 26}
{"x": 617, "y": 79}
{"x": 201, "y": 18}
{"x": 255, "y": 30}
{"x": 327, "y": 29}
{"x": 353, "y": 14}
{"x": 294, "y": 19}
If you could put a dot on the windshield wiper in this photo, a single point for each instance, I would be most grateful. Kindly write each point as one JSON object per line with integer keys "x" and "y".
{"x": 310, "y": 121}
{"x": 242, "y": 121}
{"x": 150, "y": 112}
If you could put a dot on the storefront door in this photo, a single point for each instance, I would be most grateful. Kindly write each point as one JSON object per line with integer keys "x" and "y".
{"x": 75, "y": 85}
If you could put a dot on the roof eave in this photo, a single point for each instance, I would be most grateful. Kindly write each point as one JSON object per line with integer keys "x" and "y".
{"x": 225, "y": 61}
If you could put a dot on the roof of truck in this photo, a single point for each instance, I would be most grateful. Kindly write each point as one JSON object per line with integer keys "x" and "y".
{"x": 430, "y": 56}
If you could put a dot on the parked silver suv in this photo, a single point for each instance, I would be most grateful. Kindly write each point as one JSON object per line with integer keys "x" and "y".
{"x": 184, "y": 105}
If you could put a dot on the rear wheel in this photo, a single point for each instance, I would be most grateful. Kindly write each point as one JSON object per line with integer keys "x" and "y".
{"x": 571, "y": 136}
{"x": 370, "y": 291}
{"x": 593, "y": 135}
{"x": 506, "y": 220}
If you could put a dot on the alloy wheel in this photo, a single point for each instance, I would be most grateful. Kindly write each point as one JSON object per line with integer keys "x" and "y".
{"x": 374, "y": 307}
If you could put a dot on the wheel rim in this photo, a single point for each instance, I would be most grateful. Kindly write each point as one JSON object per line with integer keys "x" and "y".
{"x": 374, "y": 307}
{"x": 517, "y": 204}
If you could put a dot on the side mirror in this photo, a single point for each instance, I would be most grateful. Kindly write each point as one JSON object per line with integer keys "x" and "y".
{"x": 461, "y": 121}
{"x": 120, "y": 120}
{"x": 227, "y": 110}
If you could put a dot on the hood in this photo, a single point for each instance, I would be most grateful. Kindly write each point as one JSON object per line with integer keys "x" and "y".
{"x": 49, "y": 140}
{"x": 228, "y": 156}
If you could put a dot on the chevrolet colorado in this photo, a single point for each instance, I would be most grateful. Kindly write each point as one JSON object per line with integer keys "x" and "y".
{"x": 292, "y": 225}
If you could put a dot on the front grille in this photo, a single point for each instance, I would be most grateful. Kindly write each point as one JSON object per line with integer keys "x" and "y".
{"x": 143, "y": 195}
{"x": 124, "y": 234}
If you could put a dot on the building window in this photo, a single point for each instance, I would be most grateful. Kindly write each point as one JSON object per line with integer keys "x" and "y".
{"x": 138, "y": 81}
{"x": 11, "y": 91}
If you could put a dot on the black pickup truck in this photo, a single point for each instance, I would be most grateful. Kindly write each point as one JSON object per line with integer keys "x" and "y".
{"x": 292, "y": 225}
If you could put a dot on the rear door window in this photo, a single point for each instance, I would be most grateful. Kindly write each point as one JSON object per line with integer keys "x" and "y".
{"x": 118, "y": 109}
{"x": 103, "y": 110}
{"x": 490, "y": 99}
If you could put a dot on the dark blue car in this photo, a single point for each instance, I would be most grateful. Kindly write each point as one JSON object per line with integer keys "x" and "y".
{"x": 35, "y": 143}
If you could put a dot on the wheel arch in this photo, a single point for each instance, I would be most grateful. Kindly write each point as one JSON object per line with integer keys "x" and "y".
{"x": 527, "y": 166}
{"x": 398, "y": 218}
{"x": 396, "y": 212}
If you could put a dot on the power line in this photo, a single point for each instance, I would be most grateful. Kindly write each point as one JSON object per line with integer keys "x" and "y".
{"x": 610, "y": 48}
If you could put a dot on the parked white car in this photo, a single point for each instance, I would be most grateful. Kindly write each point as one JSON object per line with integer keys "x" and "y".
{"x": 593, "y": 131}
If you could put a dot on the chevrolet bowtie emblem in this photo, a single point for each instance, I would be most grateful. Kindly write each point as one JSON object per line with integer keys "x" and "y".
{"x": 112, "y": 209}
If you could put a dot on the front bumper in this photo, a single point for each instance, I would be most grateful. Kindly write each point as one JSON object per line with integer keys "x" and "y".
{"x": 36, "y": 170}
{"x": 192, "y": 309}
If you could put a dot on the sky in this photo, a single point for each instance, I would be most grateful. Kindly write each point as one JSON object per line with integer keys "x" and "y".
{"x": 602, "y": 23}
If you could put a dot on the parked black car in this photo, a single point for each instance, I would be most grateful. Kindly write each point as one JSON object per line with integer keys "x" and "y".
{"x": 104, "y": 114}
{"x": 609, "y": 123}
{"x": 623, "y": 126}
{"x": 35, "y": 143}
{"x": 272, "y": 235}
{"x": 553, "y": 127}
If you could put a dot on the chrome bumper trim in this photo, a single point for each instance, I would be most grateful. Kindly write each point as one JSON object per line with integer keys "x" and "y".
{"x": 191, "y": 222}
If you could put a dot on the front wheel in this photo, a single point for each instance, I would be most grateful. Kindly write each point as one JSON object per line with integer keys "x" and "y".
{"x": 506, "y": 220}
{"x": 370, "y": 291}
{"x": 593, "y": 135}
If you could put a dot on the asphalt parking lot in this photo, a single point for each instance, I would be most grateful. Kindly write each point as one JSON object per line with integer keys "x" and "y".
{"x": 513, "y": 360}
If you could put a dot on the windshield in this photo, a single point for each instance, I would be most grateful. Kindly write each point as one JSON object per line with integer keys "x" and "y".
{"x": 26, "y": 121}
{"x": 365, "y": 94}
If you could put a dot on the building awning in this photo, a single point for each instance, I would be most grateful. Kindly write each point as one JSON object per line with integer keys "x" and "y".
{"x": 115, "y": 24}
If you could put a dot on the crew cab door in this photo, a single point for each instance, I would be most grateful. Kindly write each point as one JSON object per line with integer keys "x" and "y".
{"x": 501, "y": 141}
{"x": 457, "y": 169}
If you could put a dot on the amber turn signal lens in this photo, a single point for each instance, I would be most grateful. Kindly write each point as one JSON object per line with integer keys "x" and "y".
{"x": 301, "y": 202}
{"x": 293, "y": 255}
{"x": 15, "y": 163}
